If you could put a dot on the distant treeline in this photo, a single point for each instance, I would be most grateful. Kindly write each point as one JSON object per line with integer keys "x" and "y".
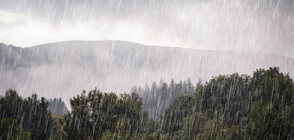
{"x": 230, "y": 107}
{"x": 157, "y": 97}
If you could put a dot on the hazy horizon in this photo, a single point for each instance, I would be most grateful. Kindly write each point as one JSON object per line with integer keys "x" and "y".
{"x": 147, "y": 69}
{"x": 245, "y": 35}
{"x": 238, "y": 25}
{"x": 68, "y": 67}
{"x": 240, "y": 51}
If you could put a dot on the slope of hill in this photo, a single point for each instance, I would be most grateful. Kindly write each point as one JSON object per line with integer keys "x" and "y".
{"x": 61, "y": 69}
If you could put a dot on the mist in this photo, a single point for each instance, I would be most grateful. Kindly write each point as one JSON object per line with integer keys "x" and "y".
{"x": 146, "y": 69}
{"x": 240, "y": 25}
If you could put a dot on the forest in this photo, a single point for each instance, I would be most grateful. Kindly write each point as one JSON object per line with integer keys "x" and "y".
{"x": 227, "y": 107}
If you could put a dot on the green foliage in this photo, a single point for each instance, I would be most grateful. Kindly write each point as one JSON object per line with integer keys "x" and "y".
{"x": 173, "y": 117}
{"x": 194, "y": 124}
{"x": 30, "y": 113}
{"x": 228, "y": 107}
{"x": 10, "y": 130}
{"x": 118, "y": 133}
{"x": 107, "y": 135}
{"x": 96, "y": 112}
{"x": 240, "y": 107}
{"x": 267, "y": 123}
{"x": 211, "y": 131}
{"x": 228, "y": 95}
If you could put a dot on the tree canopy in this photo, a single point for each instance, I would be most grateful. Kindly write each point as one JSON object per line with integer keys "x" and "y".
{"x": 227, "y": 107}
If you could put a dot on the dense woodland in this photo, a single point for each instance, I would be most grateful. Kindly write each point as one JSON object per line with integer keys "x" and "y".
{"x": 230, "y": 107}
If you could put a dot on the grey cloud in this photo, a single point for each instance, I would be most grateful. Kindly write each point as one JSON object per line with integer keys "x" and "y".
{"x": 242, "y": 25}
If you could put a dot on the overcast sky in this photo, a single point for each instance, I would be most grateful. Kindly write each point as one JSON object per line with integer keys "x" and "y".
{"x": 242, "y": 25}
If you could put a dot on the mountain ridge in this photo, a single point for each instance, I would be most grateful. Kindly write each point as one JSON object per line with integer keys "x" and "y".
{"x": 140, "y": 44}
{"x": 160, "y": 46}
{"x": 64, "y": 68}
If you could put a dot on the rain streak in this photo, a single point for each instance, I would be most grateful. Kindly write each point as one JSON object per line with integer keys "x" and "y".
{"x": 146, "y": 69}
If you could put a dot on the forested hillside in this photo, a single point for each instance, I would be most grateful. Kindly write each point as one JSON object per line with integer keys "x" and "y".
{"x": 227, "y": 107}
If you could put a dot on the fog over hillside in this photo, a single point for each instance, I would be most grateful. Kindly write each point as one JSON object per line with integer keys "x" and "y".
{"x": 63, "y": 69}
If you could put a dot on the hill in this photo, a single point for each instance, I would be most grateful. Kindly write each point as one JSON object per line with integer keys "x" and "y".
{"x": 62, "y": 69}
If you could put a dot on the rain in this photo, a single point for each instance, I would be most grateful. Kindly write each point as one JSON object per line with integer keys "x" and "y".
{"x": 146, "y": 69}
